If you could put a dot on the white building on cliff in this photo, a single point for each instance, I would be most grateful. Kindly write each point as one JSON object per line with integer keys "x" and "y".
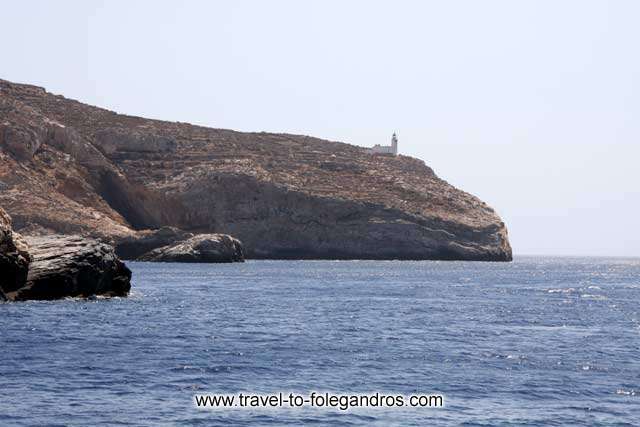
{"x": 385, "y": 149}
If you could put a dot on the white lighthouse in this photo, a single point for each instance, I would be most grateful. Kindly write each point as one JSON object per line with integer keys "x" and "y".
{"x": 386, "y": 149}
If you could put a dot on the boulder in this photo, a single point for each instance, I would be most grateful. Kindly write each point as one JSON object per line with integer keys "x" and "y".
{"x": 14, "y": 257}
{"x": 72, "y": 266}
{"x": 199, "y": 248}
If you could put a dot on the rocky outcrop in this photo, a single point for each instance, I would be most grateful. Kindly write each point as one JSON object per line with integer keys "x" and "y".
{"x": 203, "y": 248}
{"x": 14, "y": 258}
{"x": 72, "y": 168}
{"x": 138, "y": 244}
{"x": 72, "y": 266}
{"x": 115, "y": 140}
{"x": 52, "y": 267}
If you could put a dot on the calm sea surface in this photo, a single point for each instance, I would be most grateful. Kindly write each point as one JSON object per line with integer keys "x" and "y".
{"x": 537, "y": 342}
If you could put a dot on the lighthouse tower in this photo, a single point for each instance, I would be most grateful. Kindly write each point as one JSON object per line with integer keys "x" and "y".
{"x": 385, "y": 149}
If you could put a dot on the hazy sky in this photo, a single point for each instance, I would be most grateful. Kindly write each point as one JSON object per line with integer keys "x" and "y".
{"x": 534, "y": 106}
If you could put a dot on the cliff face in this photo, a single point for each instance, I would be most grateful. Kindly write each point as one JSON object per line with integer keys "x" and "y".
{"x": 73, "y": 168}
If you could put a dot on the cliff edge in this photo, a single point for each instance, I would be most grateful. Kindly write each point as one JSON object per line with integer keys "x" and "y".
{"x": 71, "y": 168}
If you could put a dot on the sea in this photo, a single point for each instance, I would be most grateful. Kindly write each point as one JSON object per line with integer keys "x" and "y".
{"x": 537, "y": 342}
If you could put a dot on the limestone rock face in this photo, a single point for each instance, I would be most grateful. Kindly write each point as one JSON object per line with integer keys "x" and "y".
{"x": 21, "y": 141}
{"x": 14, "y": 257}
{"x": 132, "y": 247}
{"x": 72, "y": 266}
{"x": 202, "y": 248}
{"x": 71, "y": 168}
{"x": 112, "y": 140}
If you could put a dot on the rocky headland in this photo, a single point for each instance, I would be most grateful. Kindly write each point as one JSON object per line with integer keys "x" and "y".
{"x": 71, "y": 168}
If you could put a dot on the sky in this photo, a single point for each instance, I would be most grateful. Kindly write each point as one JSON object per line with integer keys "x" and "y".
{"x": 533, "y": 106}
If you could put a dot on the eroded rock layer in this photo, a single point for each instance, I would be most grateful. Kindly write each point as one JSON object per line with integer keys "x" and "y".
{"x": 67, "y": 167}
{"x": 14, "y": 258}
{"x": 56, "y": 266}
{"x": 72, "y": 266}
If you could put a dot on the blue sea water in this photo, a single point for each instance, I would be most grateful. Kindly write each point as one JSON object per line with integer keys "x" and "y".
{"x": 536, "y": 342}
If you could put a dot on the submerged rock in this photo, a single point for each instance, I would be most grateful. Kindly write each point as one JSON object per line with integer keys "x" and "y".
{"x": 72, "y": 266}
{"x": 199, "y": 248}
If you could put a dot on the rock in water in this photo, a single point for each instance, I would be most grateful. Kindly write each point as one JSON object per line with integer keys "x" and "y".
{"x": 14, "y": 258}
{"x": 72, "y": 266}
{"x": 54, "y": 267}
{"x": 199, "y": 248}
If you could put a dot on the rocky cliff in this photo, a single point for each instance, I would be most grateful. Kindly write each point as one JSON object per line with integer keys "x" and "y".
{"x": 68, "y": 167}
